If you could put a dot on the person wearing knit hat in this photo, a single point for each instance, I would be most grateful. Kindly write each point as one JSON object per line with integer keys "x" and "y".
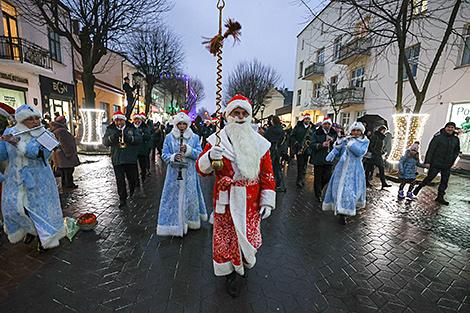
{"x": 244, "y": 192}
{"x": 322, "y": 143}
{"x": 65, "y": 158}
{"x": 407, "y": 171}
{"x": 143, "y": 151}
{"x": 182, "y": 205}
{"x": 346, "y": 190}
{"x": 301, "y": 137}
{"x": 30, "y": 203}
{"x": 441, "y": 155}
{"x": 124, "y": 140}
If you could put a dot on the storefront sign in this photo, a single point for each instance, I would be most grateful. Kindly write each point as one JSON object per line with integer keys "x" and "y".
{"x": 13, "y": 78}
{"x": 55, "y": 89}
{"x": 458, "y": 113}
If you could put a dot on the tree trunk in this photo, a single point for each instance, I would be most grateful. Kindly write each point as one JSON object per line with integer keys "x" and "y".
{"x": 400, "y": 73}
{"x": 419, "y": 102}
{"x": 88, "y": 80}
{"x": 148, "y": 97}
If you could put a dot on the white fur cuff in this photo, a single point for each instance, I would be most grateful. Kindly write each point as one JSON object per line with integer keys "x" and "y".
{"x": 189, "y": 151}
{"x": 268, "y": 198}
{"x": 204, "y": 164}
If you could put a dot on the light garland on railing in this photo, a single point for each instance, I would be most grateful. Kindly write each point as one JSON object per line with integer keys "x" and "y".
{"x": 92, "y": 120}
{"x": 409, "y": 128}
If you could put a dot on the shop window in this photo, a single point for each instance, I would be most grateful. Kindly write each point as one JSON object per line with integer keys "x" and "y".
{"x": 54, "y": 46}
{"x": 13, "y": 98}
{"x": 333, "y": 84}
{"x": 361, "y": 114}
{"x": 412, "y": 55}
{"x": 357, "y": 77}
{"x": 466, "y": 46}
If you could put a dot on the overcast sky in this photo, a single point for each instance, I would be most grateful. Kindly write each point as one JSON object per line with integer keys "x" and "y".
{"x": 269, "y": 31}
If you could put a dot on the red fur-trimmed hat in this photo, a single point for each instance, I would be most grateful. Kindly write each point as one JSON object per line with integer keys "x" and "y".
{"x": 239, "y": 101}
{"x": 119, "y": 116}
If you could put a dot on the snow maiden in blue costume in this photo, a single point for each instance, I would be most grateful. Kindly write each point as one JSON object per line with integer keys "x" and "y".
{"x": 347, "y": 188}
{"x": 182, "y": 204}
{"x": 30, "y": 199}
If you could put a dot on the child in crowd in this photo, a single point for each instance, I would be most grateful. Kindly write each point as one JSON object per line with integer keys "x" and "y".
{"x": 408, "y": 171}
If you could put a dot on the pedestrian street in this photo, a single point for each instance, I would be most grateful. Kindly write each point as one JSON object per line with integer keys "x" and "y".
{"x": 393, "y": 257}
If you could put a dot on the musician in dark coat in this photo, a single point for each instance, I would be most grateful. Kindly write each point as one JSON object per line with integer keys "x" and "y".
{"x": 301, "y": 137}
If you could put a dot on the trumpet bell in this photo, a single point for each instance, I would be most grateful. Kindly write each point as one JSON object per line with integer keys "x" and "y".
{"x": 217, "y": 165}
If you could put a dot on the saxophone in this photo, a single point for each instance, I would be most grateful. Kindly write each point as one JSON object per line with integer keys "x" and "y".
{"x": 306, "y": 141}
{"x": 122, "y": 143}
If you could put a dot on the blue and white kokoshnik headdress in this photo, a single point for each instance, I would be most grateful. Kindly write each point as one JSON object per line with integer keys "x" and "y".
{"x": 24, "y": 112}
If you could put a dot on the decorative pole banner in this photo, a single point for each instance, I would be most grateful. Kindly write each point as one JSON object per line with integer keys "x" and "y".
{"x": 215, "y": 45}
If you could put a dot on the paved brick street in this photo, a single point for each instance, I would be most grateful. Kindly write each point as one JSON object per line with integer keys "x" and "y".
{"x": 393, "y": 257}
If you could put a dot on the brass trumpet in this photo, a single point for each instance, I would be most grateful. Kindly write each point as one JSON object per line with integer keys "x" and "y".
{"x": 122, "y": 143}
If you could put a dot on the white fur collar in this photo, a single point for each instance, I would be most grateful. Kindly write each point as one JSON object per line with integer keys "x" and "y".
{"x": 262, "y": 144}
{"x": 188, "y": 133}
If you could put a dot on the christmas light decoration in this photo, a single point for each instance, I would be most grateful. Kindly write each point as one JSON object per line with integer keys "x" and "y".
{"x": 408, "y": 129}
{"x": 92, "y": 120}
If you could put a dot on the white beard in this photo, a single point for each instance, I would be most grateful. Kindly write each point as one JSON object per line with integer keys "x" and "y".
{"x": 243, "y": 139}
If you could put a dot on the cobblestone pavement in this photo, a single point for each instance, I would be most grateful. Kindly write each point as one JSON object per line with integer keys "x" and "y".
{"x": 393, "y": 257}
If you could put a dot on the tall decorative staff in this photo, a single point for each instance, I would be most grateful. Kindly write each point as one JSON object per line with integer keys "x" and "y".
{"x": 215, "y": 46}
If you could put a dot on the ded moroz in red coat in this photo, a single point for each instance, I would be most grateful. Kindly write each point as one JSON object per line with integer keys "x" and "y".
{"x": 237, "y": 203}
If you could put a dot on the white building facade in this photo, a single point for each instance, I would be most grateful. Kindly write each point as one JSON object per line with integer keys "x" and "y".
{"x": 36, "y": 65}
{"x": 364, "y": 78}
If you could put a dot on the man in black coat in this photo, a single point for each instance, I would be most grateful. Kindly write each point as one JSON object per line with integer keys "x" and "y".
{"x": 376, "y": 152}
{"x": 322, "y": 142}
{"x": 124, "y": 141}
{"x": 276, "y": 136}
{"x": 441, "y": 155}
{"x": 301, "y": 137}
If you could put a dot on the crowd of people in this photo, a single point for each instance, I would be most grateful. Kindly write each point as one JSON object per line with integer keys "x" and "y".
{"x": 248, "y": 163}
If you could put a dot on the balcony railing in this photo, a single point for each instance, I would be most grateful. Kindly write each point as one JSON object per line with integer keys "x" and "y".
{"x": 352, "y": 95}
{"x": 354, "y": 48}
{"x": 314, "y": 70}
{"x": 24, "y": 51}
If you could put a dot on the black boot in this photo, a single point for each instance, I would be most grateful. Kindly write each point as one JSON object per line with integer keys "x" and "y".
{"x": 441, "y": 200}
{"x": 342, "y": 219}
{"x": 416, "y": 190}
{"x": 233, "y": 284}
{"x": 122, "y": 203}
{"x": 28, "y": 239}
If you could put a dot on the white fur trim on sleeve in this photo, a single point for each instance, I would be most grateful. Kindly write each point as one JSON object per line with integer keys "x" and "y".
{"x": 268, "y": 198}
{"x": 172, "y": 158}
{"x": 205, "y": 164}
{"x": 189, "y": 151}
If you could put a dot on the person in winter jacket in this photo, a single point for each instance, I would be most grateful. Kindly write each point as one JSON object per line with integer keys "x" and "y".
{"x": 124, "y": 140}
{"x": 322, "y": 143}
{"x": 276, "y": 136}
{"x": 65, "y": 158}
{"x": 407, "y": 171}
{"x": 440, "y": 157}
{"x": 376, "y": 151}
{"x": 300, "y": 137}
{"x": 144, "y": 146}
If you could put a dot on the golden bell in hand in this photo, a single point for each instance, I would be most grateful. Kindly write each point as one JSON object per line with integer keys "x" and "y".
{"x": 217, "y": 164}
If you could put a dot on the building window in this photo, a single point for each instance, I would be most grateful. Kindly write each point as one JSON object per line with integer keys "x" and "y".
{"x": 466, "y": 48}
{"x": 340, "y": 15}
{"x": 116, "y": 108}
{"x": 345, "y": 118}
{"x": 412, "y": 55}
{"x": 301, "y": 69}
{"x": 361, "y": 114}
{"x": 322, "y": 28}
{"x": 105, "y": 107}
{"x": 299, "y": 96}
{"x": 333, "y": 84}
{"x": 303, "y": 44}
{"x": 317, "y": 90}
{"x": 337, "y": 47}
{"x": 54, "y": 46}
{"x": 419, "y": 6}
{"x": 321, "y": 56}
{"x": 357, "y": 77}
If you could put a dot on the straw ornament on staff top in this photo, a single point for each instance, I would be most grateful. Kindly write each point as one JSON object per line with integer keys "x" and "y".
{"x": 215, "y": 45}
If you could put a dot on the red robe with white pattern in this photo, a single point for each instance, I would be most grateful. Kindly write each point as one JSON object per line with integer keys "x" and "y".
{"x": 237, "y": 203}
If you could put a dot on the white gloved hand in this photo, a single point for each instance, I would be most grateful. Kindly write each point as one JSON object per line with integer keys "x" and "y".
{"x": 265, "y": 212}
{"x": 215, "y": 153}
